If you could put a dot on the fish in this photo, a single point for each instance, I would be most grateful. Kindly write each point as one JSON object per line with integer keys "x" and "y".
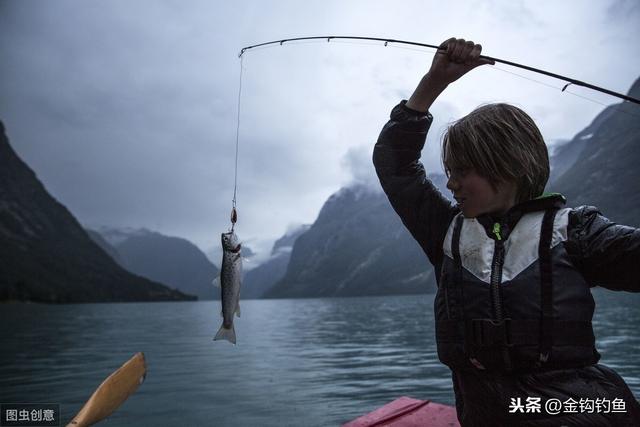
{"x": 230, "y": 280}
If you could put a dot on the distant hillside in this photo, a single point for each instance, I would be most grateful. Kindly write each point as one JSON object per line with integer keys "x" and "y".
{"x": 562, "y": 155}
{"x": 357, "y": 246}
{"x": 261, "y": 279}
{"x": 606, "y": 172}
{"x": 104, "y": 245}
{"x": 173, "y": 261}
{"x": 46, "y": 256}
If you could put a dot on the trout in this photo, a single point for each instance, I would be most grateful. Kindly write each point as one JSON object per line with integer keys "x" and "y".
{"x": 230, "y": 280}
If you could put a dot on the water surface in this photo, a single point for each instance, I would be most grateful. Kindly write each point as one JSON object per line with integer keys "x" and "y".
{"x": 311, "y": 362}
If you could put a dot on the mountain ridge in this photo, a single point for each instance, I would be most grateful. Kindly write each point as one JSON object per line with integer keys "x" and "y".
{"x": 46, "y": 255}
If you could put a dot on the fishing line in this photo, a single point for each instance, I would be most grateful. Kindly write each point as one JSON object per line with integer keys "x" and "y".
{"x": 563, "y": 89}
{"x": 234, "y": 214}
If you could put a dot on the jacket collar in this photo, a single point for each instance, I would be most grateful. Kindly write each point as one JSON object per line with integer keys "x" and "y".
{"x": 510, "y": 218}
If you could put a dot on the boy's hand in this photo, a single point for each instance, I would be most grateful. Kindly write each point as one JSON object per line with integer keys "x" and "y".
{"x": 457, "y": 58}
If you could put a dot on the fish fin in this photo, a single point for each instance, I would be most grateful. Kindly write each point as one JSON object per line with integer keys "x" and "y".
{"x": 226, "y": 334}
{"x": 238, "y": 309}
{"x": 216, "y": 282}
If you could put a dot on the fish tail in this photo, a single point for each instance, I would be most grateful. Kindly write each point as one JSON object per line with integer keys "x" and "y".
{"x": 228, "y": 334}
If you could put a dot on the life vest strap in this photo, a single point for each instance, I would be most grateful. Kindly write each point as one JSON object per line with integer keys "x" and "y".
{"x": 546, "y": 285}
{"x": 485, "y": 333}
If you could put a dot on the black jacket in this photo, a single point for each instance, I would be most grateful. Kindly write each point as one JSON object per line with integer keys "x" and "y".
{"x": 513, "y": 306}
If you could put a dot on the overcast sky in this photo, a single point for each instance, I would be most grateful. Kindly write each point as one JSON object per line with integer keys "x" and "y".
{"x": 126, "y": 110}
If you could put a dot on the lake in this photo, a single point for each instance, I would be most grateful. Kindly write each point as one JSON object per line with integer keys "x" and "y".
{"x": 311, "y": 362}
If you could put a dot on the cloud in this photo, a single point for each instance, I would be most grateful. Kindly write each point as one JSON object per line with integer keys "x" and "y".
{"x": 358, "y": 161}
{"x": 127, "y": 110}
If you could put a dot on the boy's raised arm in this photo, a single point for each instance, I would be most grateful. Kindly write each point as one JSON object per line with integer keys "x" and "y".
{"x": 423, "y": 210}
{"x": 420, "y": 206}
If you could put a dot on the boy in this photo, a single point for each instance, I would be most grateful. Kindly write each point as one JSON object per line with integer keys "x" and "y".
{"x": 514, "y": 267}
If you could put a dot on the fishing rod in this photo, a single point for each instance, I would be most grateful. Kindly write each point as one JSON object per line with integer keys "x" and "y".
{"x": 568, "y": 81}
{"x": 387, "y": 41}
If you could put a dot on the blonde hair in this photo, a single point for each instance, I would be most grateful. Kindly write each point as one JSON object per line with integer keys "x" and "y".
{"x": 502, "y": 144}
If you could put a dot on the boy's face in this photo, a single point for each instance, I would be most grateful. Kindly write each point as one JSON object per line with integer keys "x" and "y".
{"x": 476, "y": 196}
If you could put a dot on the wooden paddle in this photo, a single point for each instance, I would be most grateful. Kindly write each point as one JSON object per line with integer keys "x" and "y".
{"x": 112, "y": 392}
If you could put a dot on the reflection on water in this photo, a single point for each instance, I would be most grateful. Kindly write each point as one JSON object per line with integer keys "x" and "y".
{"x": 298, "y": 362}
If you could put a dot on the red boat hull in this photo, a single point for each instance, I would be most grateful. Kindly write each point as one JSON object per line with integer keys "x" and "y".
{"x": 408, "y": 412}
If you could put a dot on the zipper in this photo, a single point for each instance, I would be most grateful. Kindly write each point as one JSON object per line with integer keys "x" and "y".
{"x": 496, "y": 279}
{"x": 496, "y": 272}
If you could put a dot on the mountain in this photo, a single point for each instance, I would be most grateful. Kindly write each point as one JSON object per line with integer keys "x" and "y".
{"x": 114, "y": 236}
{"x": 261, "y": 279}
{"x": 562, "y": 155}
{"x": 356, "y": 246}
{"x": 171, "y": 260}
{"x": 46, "y": 255}
{"x": 286, "y": 242}
{"x": 104, "y": 245}
{"x": 606, "y": 173}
